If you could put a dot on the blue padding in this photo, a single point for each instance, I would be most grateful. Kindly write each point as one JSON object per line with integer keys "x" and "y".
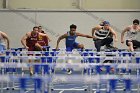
{"x": 37, "y": 68}
{"x": 125, "y": 54}
{"x": 91, "y": 60}
{"x": 2, "y": 58}
{"x": 97, "y": 60}
{"x": 46, "y": 69}
{"x": 52, "y": 69}
{"x": 38, "y": 83}
{"x": 7, "y": 53}
{"x": 98, "y": 69}
{"x": 89, "y": 70}
{"x": 120, "y": 50}
{"x": 85, "y": 54}
{"x": 98, "y": 92}
{"x": 15, "y": 49}
{"x": 45, "y": 91}
{"x": 54, "y": 53}
{"x": 85, "y": 70}
{"x": 113, "y": 84}
{"x": 46, "y": 47}
{"x": 137, "y": 59}
{"x": 14, "y": 53}
{"x": 46, "y": 53}
{"x": 123, "y": 70}
{"x": 129, "y": 71}
{"x": 114, "y": 50}
{"x": 20, "y": 49}
{"x": 107, "y": 68}
{"x": 22, "y": 83}
{"x": 87, "y": 50}
{"x": 128, "y": 84}
{"x": 49, "y": 59}
{"x": 43, "y": 59}
{"x": 55, "y": 49}
{"x": 10, "y": 69}
{"x": 91, "y": 54}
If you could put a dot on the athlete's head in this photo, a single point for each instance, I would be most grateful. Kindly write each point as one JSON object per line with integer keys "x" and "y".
{"x": 106, "y": 24}
{"x": 135, "y": 23}
{"x": 102, "y": 23}
{"x": 39, "y": 29}
{"x": 72, "y": 28}
{"x": 35, "y": 29}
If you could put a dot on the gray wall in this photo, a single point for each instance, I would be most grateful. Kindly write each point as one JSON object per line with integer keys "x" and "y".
{"x": 16, "y": 24}
{"x": 71, "y": 4}
{"x": 1, "y": 4}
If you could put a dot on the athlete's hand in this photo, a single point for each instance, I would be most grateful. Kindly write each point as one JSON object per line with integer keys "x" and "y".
{"x": 49, "y": 40}
{"x": 26, "y": 47}
{"x": 122, "y": 41}
{"x": 94, "y": 37}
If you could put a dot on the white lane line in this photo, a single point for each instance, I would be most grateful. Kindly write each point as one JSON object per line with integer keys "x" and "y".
{"x": 61, "y": 91}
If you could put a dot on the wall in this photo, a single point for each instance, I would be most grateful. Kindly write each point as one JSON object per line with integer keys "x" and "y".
{"x": 111, "y": 4}
{"x": 1, "y": 4}
{"x": 16, "y": 24}
{"x": 49, "y": 4}
{"x": 69, "y": 4}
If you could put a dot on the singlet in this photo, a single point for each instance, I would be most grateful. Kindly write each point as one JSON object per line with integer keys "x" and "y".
{"x": 43, "y": 40}
{"x": 70, "y": 40}
{"x": 131, "y": 34}
{"x": 32, "y": 40}
{"x": 102, "y": 33}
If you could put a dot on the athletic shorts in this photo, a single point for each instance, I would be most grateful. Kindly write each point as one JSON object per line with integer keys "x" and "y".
{"x": 73, "y": 46}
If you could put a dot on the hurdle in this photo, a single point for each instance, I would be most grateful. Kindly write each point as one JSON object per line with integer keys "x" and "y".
{"x": 89, "y": 64}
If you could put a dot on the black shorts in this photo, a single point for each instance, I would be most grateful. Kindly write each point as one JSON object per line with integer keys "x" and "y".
{"x": 135, "y": 43}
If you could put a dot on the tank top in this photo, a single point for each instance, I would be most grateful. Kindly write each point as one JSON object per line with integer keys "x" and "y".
{"x": 32, "y": 40}
{"x": 42, "y": 40}
{"x": 131, "y": 34}
{"x": 102, "y": 33}
{"x": 70, "y": 39}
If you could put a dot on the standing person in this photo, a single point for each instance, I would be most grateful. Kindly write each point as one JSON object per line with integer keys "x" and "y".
{"x": 70, "y": 38}
{"x": 101, "y": 33}
{"x": 131, "y": 34}
{"x": 4, "y": 41}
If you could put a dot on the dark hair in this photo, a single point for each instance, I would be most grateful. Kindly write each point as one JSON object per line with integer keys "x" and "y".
{"x": 43, "y": 32}
{"x": 73, "y": 26}
{"x": 35, "y": 27}
{"x": 136, "y": 21}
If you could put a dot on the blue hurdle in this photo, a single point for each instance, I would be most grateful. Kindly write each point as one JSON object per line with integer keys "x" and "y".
{"x": 51, "y": 58}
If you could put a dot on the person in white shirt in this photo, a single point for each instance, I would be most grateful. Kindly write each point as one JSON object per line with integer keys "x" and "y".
{"x": 131, "y": 35}
{"x": 4, "y": 41}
